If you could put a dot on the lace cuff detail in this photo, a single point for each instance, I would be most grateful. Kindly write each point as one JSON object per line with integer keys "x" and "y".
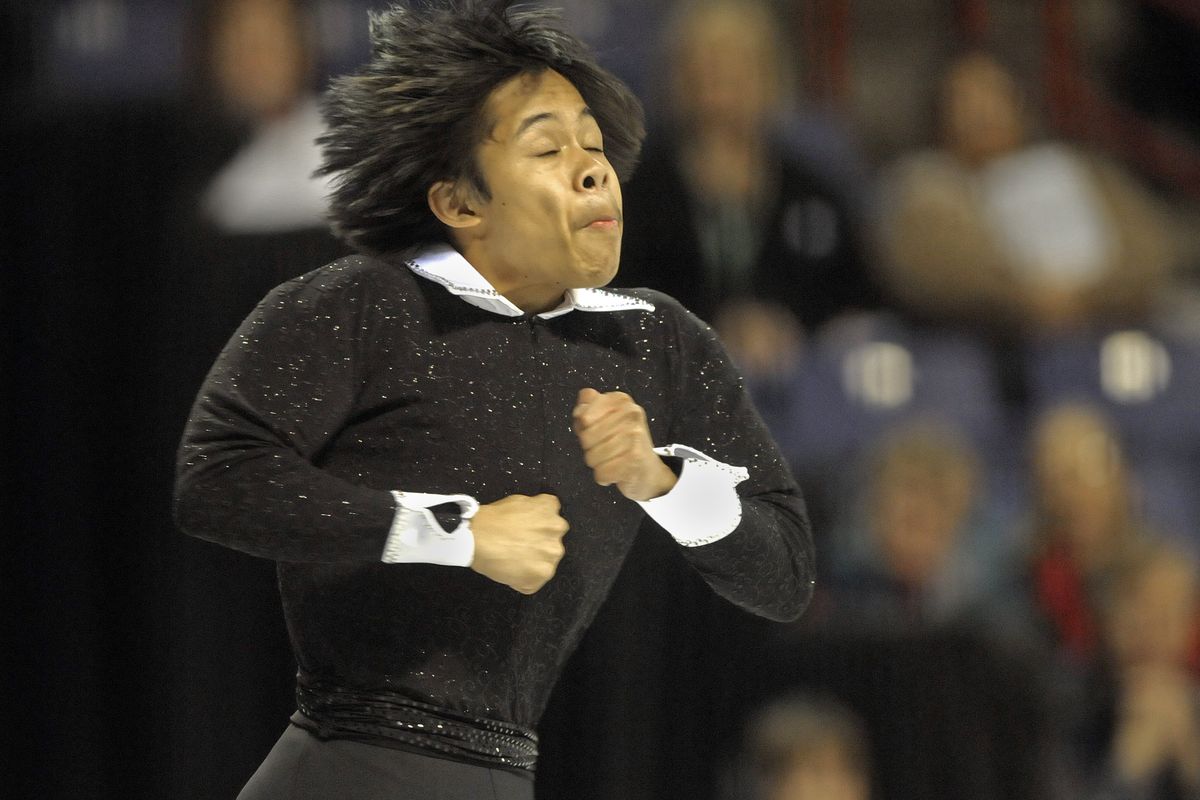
{"x": 417, "y": 537}
{"x": 704, "y": 505}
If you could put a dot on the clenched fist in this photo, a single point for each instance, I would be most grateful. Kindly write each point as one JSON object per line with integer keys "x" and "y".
{"x": 616, "y": 444}
{"x": 519, "y": 540}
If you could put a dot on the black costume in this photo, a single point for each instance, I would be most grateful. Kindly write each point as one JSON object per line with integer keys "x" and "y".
{"x": 360, "y": 378}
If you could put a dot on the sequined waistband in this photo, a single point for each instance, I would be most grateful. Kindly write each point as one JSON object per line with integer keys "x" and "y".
{"x": 386, "y": 718}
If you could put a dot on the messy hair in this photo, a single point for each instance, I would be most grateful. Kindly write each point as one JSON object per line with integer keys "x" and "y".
{"x": 415, "y": 113}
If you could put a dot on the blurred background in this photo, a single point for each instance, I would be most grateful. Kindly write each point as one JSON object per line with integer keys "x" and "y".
{"x": 953, "y": 244}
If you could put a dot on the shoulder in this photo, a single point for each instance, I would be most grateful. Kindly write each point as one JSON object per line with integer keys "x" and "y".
{"x": 679, "y": 332}
{"x": 660, "y": 306}
{"x": 355, "y": 283}
{"x": 349, "y": 273}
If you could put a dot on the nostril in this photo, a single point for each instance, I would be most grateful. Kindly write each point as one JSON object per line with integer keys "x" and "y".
{"x": 589, "y": 182}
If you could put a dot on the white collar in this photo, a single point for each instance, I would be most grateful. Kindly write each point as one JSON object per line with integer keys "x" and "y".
{"x": 445, "y": 265}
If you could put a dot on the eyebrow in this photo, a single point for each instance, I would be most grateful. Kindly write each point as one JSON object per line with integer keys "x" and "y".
{"x": 546, "y": 116}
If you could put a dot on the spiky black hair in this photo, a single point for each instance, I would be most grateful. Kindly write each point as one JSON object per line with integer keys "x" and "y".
{"x": 414, "y": 114}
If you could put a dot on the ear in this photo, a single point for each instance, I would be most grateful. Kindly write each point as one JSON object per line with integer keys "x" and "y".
{"x": 452, "y": 205}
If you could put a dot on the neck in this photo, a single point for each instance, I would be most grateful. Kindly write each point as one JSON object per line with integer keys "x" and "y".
{"x": 533, "y": 299}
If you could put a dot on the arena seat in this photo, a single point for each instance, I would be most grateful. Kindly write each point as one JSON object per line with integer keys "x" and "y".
{"x": 866, "y": 373}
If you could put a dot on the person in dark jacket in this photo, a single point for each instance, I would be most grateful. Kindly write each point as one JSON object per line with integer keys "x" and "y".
{"x": 410, "y": 432}
{"x": 726, "y": 212}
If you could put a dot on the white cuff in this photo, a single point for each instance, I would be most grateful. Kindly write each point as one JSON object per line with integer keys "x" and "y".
{"x": 417, "y": 538}
{"x": 703, "y": 506}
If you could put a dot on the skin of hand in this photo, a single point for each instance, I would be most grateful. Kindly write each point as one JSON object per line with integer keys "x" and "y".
{"x": 519, "y": 540}
{"x": 1184, "y": 725}
{"x": 615, "y": 438}
{"x": 1156, "y": 724}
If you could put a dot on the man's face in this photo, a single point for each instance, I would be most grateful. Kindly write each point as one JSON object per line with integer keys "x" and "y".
{"x": 981, "y": 111}
{"x": 259, "y": 57}
{"x": 553, "y": 221}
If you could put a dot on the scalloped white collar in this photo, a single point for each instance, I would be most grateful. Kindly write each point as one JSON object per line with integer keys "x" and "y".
{"x": 446, "y": 266}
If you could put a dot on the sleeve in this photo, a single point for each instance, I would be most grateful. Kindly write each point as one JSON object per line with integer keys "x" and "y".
{"x": 766, "y": 563}
{"x": 277, "y": 395}
{"x": 703, "y": 506}
{"x": 417, "y": 536}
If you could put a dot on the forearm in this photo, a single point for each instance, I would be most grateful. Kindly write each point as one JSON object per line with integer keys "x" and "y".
{"x": 249, "y": 473}
{"x": 745, "y": 527}
{"x": 767, "y": 564}
{"x": 269, "y": 502}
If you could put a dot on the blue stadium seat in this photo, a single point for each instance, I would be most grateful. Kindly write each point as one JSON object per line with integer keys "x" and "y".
{"x": 866, "y": 373}
{"x": 1147, "y": 382}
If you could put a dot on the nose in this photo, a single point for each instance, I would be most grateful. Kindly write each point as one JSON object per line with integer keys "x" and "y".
{"x": 593, "y": 173}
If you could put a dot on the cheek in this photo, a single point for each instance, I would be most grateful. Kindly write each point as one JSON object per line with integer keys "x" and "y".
{"x": 538, "y": 212}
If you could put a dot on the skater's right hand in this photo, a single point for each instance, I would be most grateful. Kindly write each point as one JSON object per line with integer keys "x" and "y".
{"x": 519, "y": 540}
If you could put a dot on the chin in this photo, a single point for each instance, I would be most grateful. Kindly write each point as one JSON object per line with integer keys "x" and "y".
{"x": 593, "y": 276}
{"x": 607, "y": 277}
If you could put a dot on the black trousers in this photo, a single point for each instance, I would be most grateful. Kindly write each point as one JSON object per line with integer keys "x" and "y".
{"x": 303, "y": 767}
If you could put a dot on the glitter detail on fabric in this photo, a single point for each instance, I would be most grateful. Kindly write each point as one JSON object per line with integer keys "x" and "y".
{"x": 386, "y": 717}
{"x": 361, "y": 378}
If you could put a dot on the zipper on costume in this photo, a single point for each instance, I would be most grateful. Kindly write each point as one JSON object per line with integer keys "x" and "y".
{"x": 536, "y": 324}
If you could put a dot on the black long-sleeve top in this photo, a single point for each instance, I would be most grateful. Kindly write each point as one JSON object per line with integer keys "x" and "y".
{"x": 362, "y": 377}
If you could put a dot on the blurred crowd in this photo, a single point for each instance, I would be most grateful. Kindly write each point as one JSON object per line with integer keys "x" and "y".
{"x": 980, "y": 355}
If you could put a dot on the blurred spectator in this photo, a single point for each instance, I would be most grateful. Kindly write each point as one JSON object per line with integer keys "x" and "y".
{"x": 258, "y": 72}
{"x": 804, "y": 747}
{"x": 1083, "y": 531}
{"x": 992, "y": 229}
{"x": 248, "y": 213}
{"x": 1146, "y": 381}
{"x": 916, "y": 553}
{"x": 864, "y": 373}
{"x": 1083, "y": 526}
{"x": 723, "y": 215}
{"x": 1152, "y": 749}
